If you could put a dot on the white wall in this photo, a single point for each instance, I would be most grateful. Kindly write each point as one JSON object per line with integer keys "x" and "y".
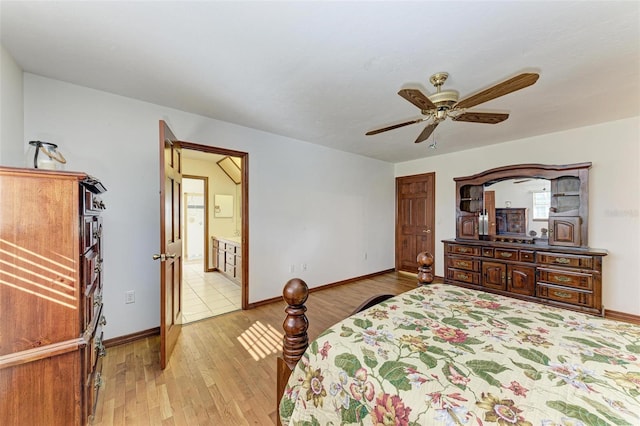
{"x": 307, "y": 204}
{"x": 11, "y": 112}
{"x": 614, "y": 193}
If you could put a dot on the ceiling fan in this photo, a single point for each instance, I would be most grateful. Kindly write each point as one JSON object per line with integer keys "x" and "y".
{"x": 444, "y": 103}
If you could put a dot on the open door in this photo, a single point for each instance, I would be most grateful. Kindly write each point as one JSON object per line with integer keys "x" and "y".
{"x": 170, "y": 243}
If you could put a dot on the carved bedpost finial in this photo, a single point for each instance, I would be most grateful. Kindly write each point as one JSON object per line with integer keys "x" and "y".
{"x": 425, "y": 268}
{"x": 295, "y": 325}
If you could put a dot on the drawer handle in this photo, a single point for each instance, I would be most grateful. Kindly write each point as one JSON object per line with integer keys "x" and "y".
{"x": 562, "y": 294}
{"x": 507, "y": 255}
{"x": 99, "y": 382}
{"x": 463, "y": 250}
{"x": 562, "y": 260}
{"x": 100, "y": 348}
{"x": 462, "y": 264}
{"x": 562, "y": 279}
{"x": 463, "y": 276}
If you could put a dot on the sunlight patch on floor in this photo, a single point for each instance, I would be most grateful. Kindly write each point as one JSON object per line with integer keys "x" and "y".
{"x": 260, "y": 340}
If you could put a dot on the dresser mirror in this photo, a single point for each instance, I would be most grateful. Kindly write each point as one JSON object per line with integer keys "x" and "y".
{"x": 522, "y": 206}
{"x": 525, "y": 203}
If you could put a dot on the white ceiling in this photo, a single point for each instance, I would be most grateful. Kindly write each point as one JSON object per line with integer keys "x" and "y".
{"x": 326, "y": 72}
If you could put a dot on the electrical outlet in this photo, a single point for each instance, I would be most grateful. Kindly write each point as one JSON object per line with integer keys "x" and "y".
{"x": 129, "y": 297}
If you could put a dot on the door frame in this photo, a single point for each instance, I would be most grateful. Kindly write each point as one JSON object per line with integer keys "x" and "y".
{"x": 244, "y": 189}
{"x": 205, "y": 182}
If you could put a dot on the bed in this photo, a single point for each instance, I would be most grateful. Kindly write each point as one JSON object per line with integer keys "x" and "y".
{"x": 446, "y": 355}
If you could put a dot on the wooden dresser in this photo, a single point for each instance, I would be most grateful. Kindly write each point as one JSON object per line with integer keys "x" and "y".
{"x": 497, "y": 250}
{"x": 50, "y": 296}
{"x": 566, "y": 277}
{"x": 227, "y": 258}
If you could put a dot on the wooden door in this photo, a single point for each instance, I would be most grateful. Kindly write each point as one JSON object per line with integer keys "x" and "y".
{"x": 170, "y": 242}
{"x": 415, "y": 219}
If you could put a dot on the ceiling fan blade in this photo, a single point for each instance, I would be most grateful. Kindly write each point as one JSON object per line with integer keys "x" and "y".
{"x": 426, "y": 132}
{"x": 395, "y": 126}
{"x": 417, "y": 98}
{"x": 482, "y": 117}
{"x": 516, "y": 83}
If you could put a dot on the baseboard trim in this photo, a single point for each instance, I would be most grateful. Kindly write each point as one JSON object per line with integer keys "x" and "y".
{"x": 131, "y": 337}
{"x": 322, "y": 287}
{"x": 622, "y": 316}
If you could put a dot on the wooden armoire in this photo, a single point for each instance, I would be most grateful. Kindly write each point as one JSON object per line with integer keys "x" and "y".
{"x": 50, "y": 296}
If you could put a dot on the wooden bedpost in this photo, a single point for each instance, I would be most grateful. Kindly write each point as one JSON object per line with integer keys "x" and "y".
{"x": 295, "y": 340}
{"x": 425, "y": 268}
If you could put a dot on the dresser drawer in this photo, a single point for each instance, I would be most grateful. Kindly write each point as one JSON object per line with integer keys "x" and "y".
{"x": 565, "y": 295}
{"x": 506, "y": 254}
{"x": 571, "y": 260}
{"x": 468, "y": 250}
{"x": 468, "y": 264}
{"x": 91, "y": 268}
{"x": 566, "y": 278}
{"x": 91, "y": 232}
{"x": 487, "y": 251}
{"x": 463, "y": 276}
{"x": 527, "y": 256}
{"x": 97, "y": 349}
{"x": 92, "y": 306}
{"x": 231, "y": 259}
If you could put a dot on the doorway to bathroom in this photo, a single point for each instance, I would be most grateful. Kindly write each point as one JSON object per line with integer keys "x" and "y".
{"x": 209, "y": 290}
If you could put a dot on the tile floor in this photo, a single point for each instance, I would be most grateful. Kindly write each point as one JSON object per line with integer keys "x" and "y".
{"x": 206, "y": 294}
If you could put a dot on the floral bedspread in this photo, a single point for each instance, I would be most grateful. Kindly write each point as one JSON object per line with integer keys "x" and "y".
{"x": 444, "y": 355}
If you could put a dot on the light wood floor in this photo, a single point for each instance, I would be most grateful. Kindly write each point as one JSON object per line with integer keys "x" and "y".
{"x": 223, "y": 370}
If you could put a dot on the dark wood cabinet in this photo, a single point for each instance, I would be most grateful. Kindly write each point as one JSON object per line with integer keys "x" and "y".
{"x": 566, "y": 277}
{"x": 51, "y": 309}
{"x": 521, "y": 280}
{"x": 511, "y": 221}
{"x": 510, "y": 278}
{"x": 494, "y": 275}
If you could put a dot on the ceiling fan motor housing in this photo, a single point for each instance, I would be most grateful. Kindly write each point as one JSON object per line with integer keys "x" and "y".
{"x": 444, "y": 99}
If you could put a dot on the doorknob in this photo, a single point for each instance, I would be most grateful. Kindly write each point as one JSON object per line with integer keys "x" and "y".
{"x": 428, "y": 231}
{"x": 163, "y": 256}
